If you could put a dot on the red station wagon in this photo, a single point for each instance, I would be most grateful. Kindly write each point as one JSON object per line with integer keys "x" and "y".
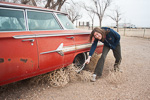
{"x": 36, "y": 40}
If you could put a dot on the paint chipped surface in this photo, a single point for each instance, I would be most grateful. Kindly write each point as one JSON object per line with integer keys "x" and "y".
{"x": 1, "y": 60}
{"x": 9, "y": 59}
{"x": 24, "y": 60}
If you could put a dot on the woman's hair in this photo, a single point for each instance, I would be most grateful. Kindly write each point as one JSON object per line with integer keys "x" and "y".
{"x": 101, "y": 31}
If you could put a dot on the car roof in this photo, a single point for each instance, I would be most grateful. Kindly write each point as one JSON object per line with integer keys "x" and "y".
{"x": 22, "y": 6}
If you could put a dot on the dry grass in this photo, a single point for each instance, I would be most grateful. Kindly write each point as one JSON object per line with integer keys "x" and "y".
{"x": 85, "y": 76}
{"x": 58, "y": 78}
{"x": 61, "y": 77}
{"x": 91, "y": 66}
{"x": 116, "y": 77}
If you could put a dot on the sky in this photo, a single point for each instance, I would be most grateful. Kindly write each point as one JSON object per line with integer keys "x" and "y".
{"x": 135, "y": 12}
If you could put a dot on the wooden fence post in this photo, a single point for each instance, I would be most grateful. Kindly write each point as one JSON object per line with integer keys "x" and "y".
{"x": 124, "y": 31}
{"x": 144, "y": 33}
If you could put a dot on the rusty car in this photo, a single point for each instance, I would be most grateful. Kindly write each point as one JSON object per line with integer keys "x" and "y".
{"x": 36, "y": 40}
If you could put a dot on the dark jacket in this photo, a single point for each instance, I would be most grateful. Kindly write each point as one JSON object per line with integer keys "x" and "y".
{"x": 112, "y": 40}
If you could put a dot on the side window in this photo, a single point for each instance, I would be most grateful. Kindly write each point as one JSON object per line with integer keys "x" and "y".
{"x": 11, "y": 20}
{"x": 42, "y": 21}
{"x": 65, "y": 21}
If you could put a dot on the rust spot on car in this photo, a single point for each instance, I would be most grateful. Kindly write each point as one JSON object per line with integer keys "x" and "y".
{"x": 24, "y": 60}
{"x": 9, "y": 59}
{"x": 32, "y": 63}
{"x": 1, "y": 60}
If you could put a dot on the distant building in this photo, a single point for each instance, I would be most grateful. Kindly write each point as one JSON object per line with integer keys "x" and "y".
{"x": 123, "y": 25}
{"x": 84, "y": 23}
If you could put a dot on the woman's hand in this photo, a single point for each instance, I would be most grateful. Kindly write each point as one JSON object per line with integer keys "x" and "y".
{"x": 88, "y": 60}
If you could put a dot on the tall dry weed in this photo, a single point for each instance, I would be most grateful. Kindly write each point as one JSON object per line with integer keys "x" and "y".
{"x": 91, "y": 66}
{"x": 61, "y": 77}
{"x": 116, "y": 77}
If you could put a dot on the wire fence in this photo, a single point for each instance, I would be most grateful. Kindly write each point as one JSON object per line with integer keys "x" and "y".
{"x": 138, "y": 32}
{"x": 135, "y": 32}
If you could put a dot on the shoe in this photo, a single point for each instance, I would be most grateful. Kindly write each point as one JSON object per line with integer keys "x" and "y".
{"x": 97, "y": 77}
{"x": 116, "y": 68}
{"x": 93, "y": 79}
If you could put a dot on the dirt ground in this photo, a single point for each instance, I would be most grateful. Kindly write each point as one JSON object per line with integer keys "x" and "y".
{"x": 131, "y": 84}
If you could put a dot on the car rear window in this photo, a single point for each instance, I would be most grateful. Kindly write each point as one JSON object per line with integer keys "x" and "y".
{"x": 42, "y": 21}
{"x": 65, "y": 21}
{"x": 12, "y": 20}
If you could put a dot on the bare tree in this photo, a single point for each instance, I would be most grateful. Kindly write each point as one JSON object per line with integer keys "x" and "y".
{"x": 99, "y": 8}
{"x": 34, "y": 3}
{"x": 56, "y": 5}
{"x": 116, "y": 16}
{"x": 25, "y": 1}
{"x": 91, "y": 15}
{"x": 30, "y": 2}
{"x": 52, "y": 4}
{"x": 73, "y": 11}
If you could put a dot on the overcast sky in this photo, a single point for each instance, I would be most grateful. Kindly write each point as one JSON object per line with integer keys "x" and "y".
{"x": 133, "y": 11}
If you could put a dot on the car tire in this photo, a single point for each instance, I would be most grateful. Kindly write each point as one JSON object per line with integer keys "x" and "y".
{"x": 79, "y": 61}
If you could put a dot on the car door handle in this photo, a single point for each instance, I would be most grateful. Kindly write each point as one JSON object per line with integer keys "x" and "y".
{"x": 31, "y": 40}
{"x": 71, "y": 37}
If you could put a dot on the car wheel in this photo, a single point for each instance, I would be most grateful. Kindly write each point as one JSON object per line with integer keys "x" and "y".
{"x": 79, "y": 61}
